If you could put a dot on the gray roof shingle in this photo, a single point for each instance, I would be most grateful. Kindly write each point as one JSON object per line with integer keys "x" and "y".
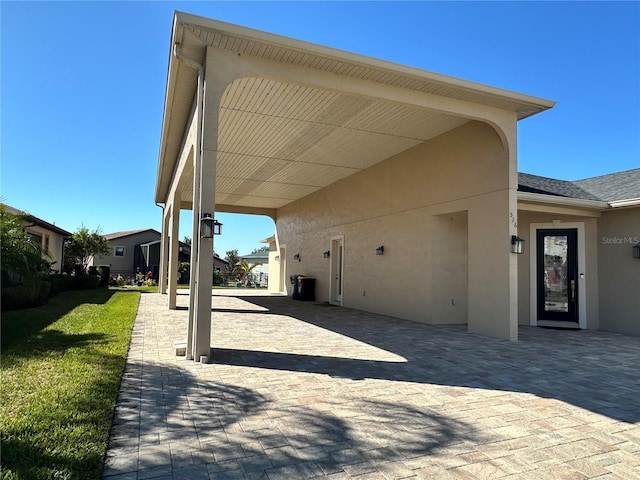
{"x": 614, "y": 186}
{"x": 608, "y": 188}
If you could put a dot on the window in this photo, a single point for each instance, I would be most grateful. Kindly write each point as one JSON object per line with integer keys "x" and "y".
{"x": 46, "y": 243}
{"x": 118, "y": 251}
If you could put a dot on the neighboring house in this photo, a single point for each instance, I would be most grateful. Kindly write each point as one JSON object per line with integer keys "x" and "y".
{"x": 49, "y": 236}
{"x": 396, "y": 188}
{"x": 137, "y": 250}
{"x": 220, "y": 265}
{"x": 260, "y": 274}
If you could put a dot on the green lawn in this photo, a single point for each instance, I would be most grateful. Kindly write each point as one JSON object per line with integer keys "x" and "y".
{"x": 61, "y": 369}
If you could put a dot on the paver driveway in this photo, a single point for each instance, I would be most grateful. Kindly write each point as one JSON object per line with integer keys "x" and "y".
{"x": 305, "y": 390}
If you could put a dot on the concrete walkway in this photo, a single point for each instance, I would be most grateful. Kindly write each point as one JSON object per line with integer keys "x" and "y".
{"x": 303, "y": 390}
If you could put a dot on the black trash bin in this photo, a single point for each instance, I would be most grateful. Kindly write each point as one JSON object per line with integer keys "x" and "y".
{"x": 294, "y": 281}
{"x": 306, "y": 288}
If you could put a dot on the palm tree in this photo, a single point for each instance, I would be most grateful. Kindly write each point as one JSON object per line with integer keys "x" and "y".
{"x": 243, "y": 269}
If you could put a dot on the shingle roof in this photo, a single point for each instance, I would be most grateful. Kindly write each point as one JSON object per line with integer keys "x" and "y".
{"x": 113, "y": 236}
{"x": 614, "y": 186}
{"x": 608, "y": 188}
{"x": 38, "y": 221}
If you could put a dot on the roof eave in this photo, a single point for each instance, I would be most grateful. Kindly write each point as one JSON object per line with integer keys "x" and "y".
{"x": 631, "y": 202}
{"x": 524, "y": 105}
{"x": 562, "y": 201}
{"x": 160, "y": 196}
{"x": 537, "y": 103}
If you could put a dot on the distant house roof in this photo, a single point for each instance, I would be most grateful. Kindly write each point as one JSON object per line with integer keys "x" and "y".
{"x": 115, "y": 235}
{"x": 37, "y": 221}
{"x": 613, "y": 187}
{"x": 256, "y": 257}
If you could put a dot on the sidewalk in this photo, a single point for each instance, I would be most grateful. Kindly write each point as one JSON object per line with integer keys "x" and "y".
{"x": 303, "y": 390}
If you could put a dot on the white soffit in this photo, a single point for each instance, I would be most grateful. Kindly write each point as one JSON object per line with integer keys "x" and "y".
{"x": 279, "y": 142}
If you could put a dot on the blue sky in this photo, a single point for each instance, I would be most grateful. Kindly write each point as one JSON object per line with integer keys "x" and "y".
{"x": 82, "y": 89}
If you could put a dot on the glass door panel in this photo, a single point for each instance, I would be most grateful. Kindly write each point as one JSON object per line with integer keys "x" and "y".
{"x": 557, "y": 275}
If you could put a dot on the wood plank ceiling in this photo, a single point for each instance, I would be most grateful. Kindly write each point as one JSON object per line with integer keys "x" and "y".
{"x": 279, "y": 142}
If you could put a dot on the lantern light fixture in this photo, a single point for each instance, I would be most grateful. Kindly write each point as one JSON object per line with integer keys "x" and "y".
{"x": 380, "y": 250}
{"x": 326, "y": 254}
{"x": 209, "y": 226}
{"x": 517, "y": 244}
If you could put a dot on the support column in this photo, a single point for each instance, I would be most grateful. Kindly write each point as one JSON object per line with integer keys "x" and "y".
{"x": 493, "y": 269}
{"x": 173, "y": 252}
{"x": 164, "y": 252}
{"x": 216, "y": 81}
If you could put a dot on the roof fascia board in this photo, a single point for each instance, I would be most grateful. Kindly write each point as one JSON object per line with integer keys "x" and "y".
{"x": 357, "y": 59}
{"x": 168, "y": 95}
{"x": 47, "y": 226}
{"x": 562, "y": 201}
{"x": 631, "y": 202}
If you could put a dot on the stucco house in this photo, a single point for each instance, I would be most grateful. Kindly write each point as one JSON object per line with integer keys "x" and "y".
{"x": 46, "y": 234}
{"x": 136, "y": 249}
{"x": 366, "y": 166}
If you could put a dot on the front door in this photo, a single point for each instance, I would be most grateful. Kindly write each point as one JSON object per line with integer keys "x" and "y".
{"x": 337, "y": 266}
{"x": 557, "y": 275}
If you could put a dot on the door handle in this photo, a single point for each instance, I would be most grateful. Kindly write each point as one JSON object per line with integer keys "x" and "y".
{"x": 573, "y": 290}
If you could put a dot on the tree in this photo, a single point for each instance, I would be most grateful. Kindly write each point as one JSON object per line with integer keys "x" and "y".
{"x": 243, "y": 269}
{"x": 232, "y": 260}
{"x": 20, "y": 254}
{"x": 84, "y": 245}
{"x": 187, "y": 240}
{"x": 263, "y": 249}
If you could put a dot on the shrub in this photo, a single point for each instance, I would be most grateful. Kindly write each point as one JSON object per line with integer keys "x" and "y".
{"x": 16, "y": 297}
{"x": 120, "y": 281}
{"x": 60, "y": 283}
{"x": 105, "y": 274}
{"x": 26, "y": 295}
{"x": 149, "y": 282}
{"x": 85, "y": 282}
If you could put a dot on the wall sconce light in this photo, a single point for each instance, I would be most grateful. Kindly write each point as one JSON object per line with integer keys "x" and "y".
{"x": 636, "y": 250}
{"x": 380, "y": 250}
{"x": 277, "y": 258}
{"x": 326, "y": 254}
{"x": 516, "y": 244}
{"x": 209, "y": 226}
{"x": 297, "y": 257}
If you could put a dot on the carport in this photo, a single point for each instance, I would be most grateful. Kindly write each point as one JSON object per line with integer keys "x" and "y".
{"x": 254, "y": 122}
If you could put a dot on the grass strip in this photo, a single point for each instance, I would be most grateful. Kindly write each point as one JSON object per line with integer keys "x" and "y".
{"x": 61, "y": 369}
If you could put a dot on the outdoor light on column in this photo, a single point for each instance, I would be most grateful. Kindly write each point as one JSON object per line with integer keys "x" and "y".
{"x": 326, "y": 254}
{"x": 516, "y": 244}
{"x": 636, "y": 250}
{"x": 380, "y": 250}
{"x": 209, "y": 226}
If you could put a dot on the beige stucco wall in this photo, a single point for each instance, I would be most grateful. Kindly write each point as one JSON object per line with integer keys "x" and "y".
{"x": 55, "y": 245}
{"x": 589, "y": 268}
{"x": 619, "y": 271}
{"x": 441, "y": 212}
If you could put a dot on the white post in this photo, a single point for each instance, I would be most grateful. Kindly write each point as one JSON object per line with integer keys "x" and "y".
{"x": 173, "y": 252}
{"x": 164, "y": 252}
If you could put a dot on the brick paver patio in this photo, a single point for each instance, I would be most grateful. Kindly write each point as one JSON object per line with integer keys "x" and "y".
{"x": 303, "y": 390}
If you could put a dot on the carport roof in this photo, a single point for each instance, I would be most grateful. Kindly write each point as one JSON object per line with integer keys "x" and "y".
{"x": 195, "y": 34}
